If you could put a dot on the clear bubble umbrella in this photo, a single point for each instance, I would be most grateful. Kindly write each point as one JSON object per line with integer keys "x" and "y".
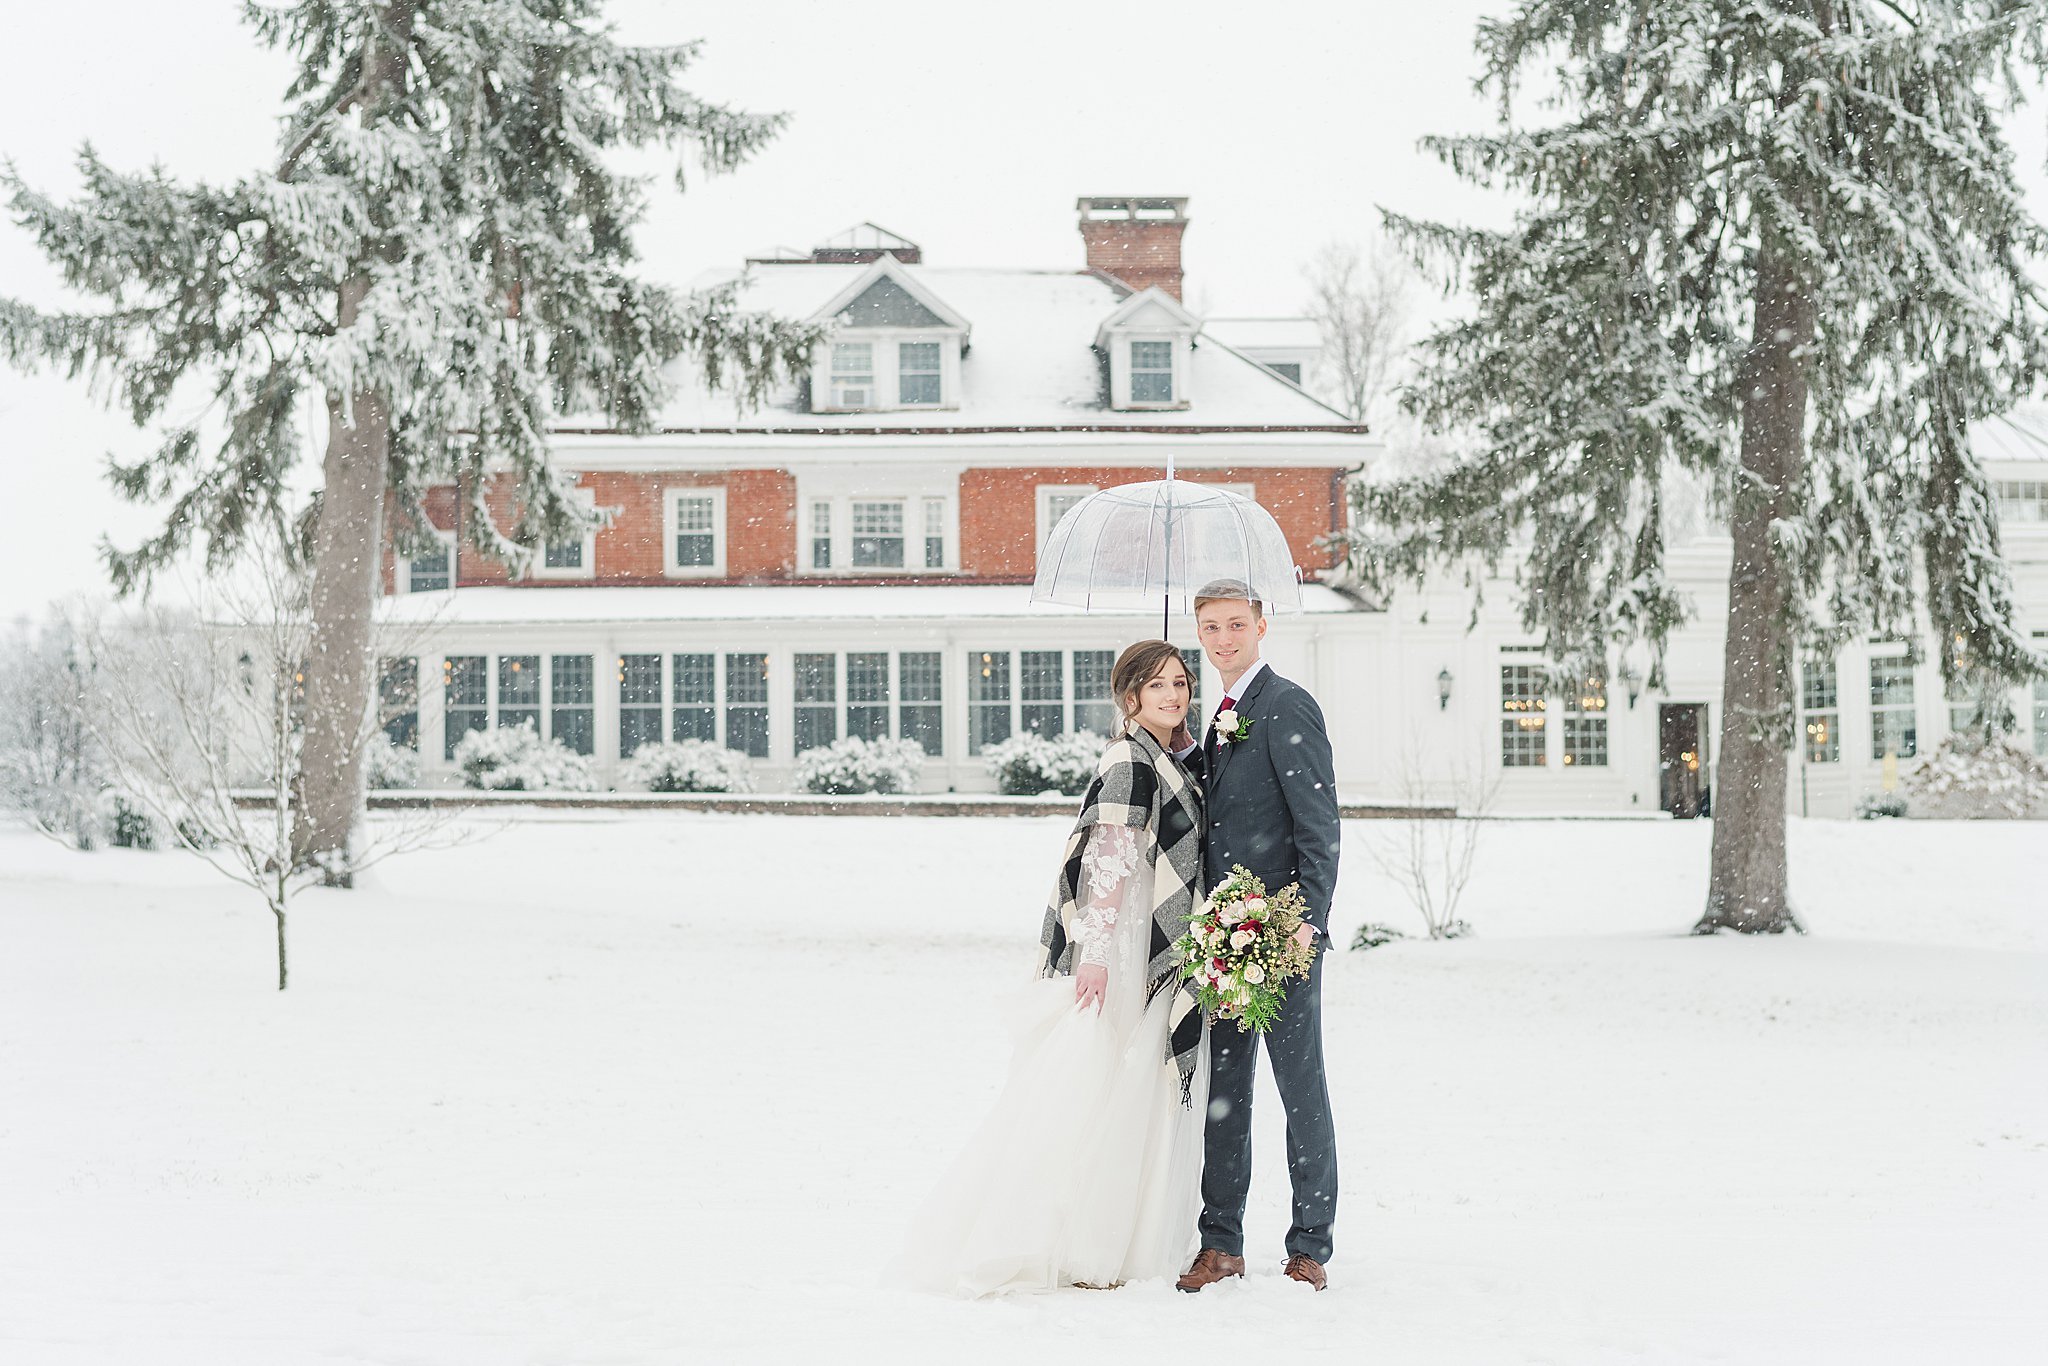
{"x": 1158, "y": 544}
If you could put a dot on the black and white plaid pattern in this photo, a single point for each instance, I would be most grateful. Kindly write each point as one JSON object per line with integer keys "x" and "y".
{"x": 1139, "y": 785}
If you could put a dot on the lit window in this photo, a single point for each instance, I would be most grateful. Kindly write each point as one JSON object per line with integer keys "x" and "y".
{"x": 1151, "y": 372}
{"x": 1893, "y": 729}
{"x": 917, "y": 373}
{"x": 1820, "y": 708}
{"x": 519, "y": 691}
{"x": 1522, "y": 719}
{"x": 466, "y": 698}
{"x": 1585, "y": 724}
{"x": 988, "y": 698}
{"x": 853, "y": 374}
{"x": 878, "y": 535}
{"x": 398, "y": 700}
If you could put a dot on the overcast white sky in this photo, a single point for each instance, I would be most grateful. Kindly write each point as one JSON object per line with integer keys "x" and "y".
{"x": 967, "y": 128}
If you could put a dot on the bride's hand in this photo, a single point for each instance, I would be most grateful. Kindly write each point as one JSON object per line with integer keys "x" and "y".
{"x": 1090, "y": 982}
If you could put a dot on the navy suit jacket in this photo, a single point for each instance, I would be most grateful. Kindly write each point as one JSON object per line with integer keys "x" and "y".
{"x": 1272, "y": 796}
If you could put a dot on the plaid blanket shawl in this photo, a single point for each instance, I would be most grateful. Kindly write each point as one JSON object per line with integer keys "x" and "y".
{"x": 1138, "y": 784}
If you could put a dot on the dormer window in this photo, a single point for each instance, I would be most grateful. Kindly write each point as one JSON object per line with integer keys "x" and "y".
{"x": 919, "y": 376}
{"x": 853, "y": 374}
{"x": 1151, "y": 372}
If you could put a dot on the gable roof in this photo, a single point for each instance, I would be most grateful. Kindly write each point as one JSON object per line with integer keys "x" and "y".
{"x": 1152, "y": 300}
{"x": 1033, "y": 365}
{"x": 886, "y": 290}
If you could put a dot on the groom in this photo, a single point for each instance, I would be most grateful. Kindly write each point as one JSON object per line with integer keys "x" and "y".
{"x": 1272, "y": 802}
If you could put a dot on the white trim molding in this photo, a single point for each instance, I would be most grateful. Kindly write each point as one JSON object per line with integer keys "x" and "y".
{"x": 672, "y": 530}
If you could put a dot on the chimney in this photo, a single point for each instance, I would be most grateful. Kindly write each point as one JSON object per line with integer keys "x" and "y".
{"x": 1135, "y": 240}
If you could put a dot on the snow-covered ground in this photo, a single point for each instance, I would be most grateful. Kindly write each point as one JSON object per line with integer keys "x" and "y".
{"x": 660, "y": 1088}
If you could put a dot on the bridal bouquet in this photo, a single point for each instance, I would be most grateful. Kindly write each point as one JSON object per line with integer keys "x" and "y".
{"x": 1240, "y": 950}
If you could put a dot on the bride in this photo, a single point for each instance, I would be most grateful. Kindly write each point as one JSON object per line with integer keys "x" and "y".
{"x": 1088, "y": 1170}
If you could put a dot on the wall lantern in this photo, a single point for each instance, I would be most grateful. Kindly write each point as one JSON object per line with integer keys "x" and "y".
{"x": 1632, "y": 681}
{"x": 1443, "y": 690}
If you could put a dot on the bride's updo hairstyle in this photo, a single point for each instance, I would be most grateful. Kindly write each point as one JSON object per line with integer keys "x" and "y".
{"x": 1135, "y": 667}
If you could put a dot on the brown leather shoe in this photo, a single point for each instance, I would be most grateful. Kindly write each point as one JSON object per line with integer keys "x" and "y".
{"x": 1307, "y": 1270}
{"x": 1210, "y": 1267}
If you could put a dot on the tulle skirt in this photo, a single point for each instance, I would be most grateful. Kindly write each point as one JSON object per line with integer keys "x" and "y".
{"x": 1088, "y": 1170}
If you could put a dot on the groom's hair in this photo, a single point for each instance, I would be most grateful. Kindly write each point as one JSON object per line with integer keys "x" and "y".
{"x": 1228, "y": 590}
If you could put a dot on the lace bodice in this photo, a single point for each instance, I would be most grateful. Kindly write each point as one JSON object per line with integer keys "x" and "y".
{"x": 1108, "y": 859}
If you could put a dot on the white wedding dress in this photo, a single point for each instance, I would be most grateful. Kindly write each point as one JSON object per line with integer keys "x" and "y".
{"x": 1088, "y": 1171}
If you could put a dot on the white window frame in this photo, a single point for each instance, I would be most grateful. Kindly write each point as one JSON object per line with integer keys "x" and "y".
{"x": 586, "y": 570}
{"x": 1131, "y": 344}
{"x": 835, "y": 400}
{"x": 2020, "y": 502}
{"x": 896, "y": 354}
{"x": 401, "y": 575}
{"x": 886, "y": 370}
{"x": 671, "y": 526}
{"x": 1046, "y": 494}
{"x": 904, "y": 509}
{"x": 916, "y": 525}
{"x": 1890, "y": 652}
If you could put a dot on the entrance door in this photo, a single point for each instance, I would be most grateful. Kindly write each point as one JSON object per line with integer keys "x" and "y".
{"x": 1681, "y": 759}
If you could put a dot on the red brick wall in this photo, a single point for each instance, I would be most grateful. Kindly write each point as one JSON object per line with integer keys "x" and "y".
{"x": 1138, "y": 251}
{"x": 999, "y": 510}
{"x": 998, "y": 519}
{"x": 760, "y": 509}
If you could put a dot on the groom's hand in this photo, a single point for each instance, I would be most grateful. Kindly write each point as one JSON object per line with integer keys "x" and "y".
{"x": 1305, "y": 934}
{"x": 1091, "y": 980}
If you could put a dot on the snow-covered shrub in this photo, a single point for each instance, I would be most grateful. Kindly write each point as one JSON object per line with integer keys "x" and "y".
{"x": 386, "y": 765}
{"x": 126, "y": 823}
{"x": 1879, "y": 805}
{"x": 1371, "y": 936}
{"x": 690, "y": 766}
{"x": 516, "y": 759}
{"x": 856, "y": 765}
{"x": 1026, "y": 765}
{"x": 1971, "y": 778}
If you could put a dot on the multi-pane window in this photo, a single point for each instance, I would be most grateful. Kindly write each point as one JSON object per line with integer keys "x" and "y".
{"x": 519, "y": 691}
{"x": 696, "y": 701}
{"x": 1585, "y": 724}
{"x": 1055, "y": 503}
{"x": 572, "y": 702}
{"x": 466, "y": 698}
{"x": 821, "y": 535}
{"x": 920, "y": 715}
{"x": 696, "y": 520}
{"x": 1893, "y": 729}
{"x": 1820, "y": 709}
{"x": 1289, "y": 370}
{"x": 853, "y": 374}
{"x": 563, "y": 555}
{"x": 867, "y": 695}
{"x": 917, "y": 372}
{"x": 746, "y": 704}
{"x": 988, "y": 698}
{"x": 2021, "y": 500}
{"x": 1094, "y": 708}
{"x": 428, "y": 573}
{"x": 934, "y": 533}
{"x": 1522, "y": 719}
{"x": 398, "y": 700}
{"x": 878, "y": 535}
{"x": 2041, "y": 716}
{"x": 1043, "y": 691}
{"x": 1151, "y": 372}
{"x": 639, "y": 702}
{"x": 817, "y": 700}
{"x": 1192, "y": 657}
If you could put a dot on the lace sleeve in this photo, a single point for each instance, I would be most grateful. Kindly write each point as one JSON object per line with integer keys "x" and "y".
{"x": 1110, "y": 856}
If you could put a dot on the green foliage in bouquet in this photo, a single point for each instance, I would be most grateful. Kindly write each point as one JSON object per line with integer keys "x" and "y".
{"x": 1240, "y": 950}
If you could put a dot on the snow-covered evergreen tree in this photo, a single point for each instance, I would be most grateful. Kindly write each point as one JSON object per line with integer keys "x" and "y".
{"x": 442, "y": 255}
{"x": 1775, "y": 243}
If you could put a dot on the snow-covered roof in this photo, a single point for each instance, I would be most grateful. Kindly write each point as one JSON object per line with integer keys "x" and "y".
{"x": 2019, "y": 437}
{"x": 1031, "y": 362}
{"x": 750, "y": 602}
{"x": 1265, "y": 334}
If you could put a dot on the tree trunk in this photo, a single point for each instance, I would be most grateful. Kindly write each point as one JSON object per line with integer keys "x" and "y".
{"x": 280, "y": 947}
{"x": 1747, "y": 888}
{"x": 347, "y": 544}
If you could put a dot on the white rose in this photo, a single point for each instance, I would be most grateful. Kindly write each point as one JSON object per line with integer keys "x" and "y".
{"x": 1241, "y": 938}
{"x": 1255, "y": 905}
{"x": 1254, "y": 974}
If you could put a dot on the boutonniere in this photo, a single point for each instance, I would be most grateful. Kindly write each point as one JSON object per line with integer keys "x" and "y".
{"x": 1232, "y": 727}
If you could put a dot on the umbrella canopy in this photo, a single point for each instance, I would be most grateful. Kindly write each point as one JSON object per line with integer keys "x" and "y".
{"x": 1156, "y": 545}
